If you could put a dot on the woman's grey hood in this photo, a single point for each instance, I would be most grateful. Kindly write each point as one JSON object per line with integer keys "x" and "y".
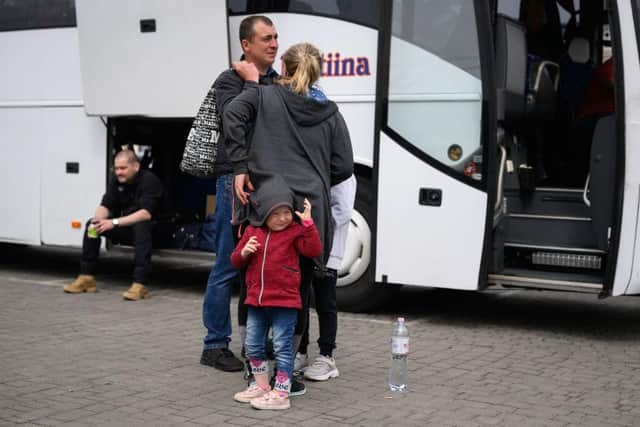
{"x": 304, "y": 110}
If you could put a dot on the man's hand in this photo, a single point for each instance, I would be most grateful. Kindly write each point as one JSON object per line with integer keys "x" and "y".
{"x": 250, "y": 247}
{"x": 102, "y": 225}
{"x": 246, "y": 70}
{"x": 243, "y": 187}
{"x": 306, "y": 214}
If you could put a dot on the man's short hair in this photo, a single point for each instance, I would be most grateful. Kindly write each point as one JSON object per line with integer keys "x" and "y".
{"x": 246, "y": 26}
{"x": 128, "y": 155}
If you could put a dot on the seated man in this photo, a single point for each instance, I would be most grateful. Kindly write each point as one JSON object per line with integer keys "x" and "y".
{"x": 124, "y": 214}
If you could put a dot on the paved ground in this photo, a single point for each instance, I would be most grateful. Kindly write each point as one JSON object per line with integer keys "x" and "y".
{"x": 501, "y": 358}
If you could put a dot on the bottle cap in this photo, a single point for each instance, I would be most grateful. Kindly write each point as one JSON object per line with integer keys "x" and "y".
{"x": 401, "y": 319}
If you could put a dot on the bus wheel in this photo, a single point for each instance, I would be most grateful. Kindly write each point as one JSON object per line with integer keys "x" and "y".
{"x": 356, "y": 289}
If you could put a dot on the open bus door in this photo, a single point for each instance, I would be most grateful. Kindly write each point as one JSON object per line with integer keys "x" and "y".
{"x": 563, "y": 223}
{"x": 624, "y": 276}
{"x": 437, "y": 140}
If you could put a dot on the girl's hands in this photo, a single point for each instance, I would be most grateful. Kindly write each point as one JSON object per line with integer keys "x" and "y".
{"x": 250, "y": 247}
{"x": 306, "y": 215}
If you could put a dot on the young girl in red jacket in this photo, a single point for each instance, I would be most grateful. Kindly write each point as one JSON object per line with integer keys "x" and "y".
{"x": 270, "y": 249}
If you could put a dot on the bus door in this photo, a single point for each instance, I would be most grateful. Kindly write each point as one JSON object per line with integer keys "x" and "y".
{"x": 625, "y": 276}
{"x": 434, "y": 198}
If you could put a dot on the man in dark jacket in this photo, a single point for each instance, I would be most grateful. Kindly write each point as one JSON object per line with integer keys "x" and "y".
{"x": 124, "y": 215}
{"x": 259, "y": 41}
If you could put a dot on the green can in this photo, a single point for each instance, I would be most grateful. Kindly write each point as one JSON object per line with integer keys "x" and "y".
{"x": 92, "y": 232}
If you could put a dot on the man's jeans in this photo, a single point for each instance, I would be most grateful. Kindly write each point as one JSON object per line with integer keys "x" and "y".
{"x": 217, "y": 297}
{"x": 282, "y": 322}
{"x": 138, "y": 234}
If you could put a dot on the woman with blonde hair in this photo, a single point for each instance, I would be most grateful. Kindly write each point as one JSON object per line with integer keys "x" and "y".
{"x": 292, "y": 130}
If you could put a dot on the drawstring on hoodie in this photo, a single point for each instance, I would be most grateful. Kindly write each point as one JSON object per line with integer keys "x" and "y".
{"x": 264, "y": 259}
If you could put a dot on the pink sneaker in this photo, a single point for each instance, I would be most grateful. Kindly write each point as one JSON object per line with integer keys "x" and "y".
{"x": 252, "y": 392}
{"x": 271, "y": 400}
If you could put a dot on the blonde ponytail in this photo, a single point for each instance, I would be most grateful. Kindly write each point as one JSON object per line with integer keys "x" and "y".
{"x": 303, "y": 64}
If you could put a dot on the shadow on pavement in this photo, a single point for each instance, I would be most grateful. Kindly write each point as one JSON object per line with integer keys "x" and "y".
{"x": 552, "y": 312}
{"x": 557, "y": 312}
{"x": 184, "y": 272}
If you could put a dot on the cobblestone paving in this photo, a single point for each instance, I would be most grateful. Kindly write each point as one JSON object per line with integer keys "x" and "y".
{"x": 504, "y": 358}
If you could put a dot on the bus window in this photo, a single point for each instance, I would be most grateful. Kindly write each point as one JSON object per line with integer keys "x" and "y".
{"x": 364, "y": 12}
{"x": 36, "y": 14}
{"x": 566, "y": 9}
{"x": 510, "y": 8}
{"x": 435, "y": 89}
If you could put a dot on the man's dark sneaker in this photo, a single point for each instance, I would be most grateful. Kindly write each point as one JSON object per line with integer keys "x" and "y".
{"x": 221, "y": 358}
{"x": 248, "y": 375}
{"x": 297, "y": 387}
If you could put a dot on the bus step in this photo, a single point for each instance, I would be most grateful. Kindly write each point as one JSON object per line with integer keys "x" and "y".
{"x": 547, "y": 230}
{"x": 536, "y": 280}
{"x": 548, "y": 201}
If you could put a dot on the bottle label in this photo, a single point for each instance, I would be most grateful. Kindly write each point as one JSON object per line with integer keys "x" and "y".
{"x": 400, "y": 345}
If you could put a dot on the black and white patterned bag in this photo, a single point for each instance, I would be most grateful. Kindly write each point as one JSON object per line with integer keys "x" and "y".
{"x": 202, "y": 143}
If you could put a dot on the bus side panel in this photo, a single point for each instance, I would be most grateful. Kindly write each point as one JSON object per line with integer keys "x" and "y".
{"x": 20, "y": 175}
{"x": 44, "y": 66}
{"x": 627, "y": 277}
{"x": 439, "y": 246}
{"x": 359, "y": 117}
{"x": 43, "y": 72}
{"x": 72, "y": 139}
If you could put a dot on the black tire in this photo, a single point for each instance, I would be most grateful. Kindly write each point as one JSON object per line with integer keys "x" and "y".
{"x": 363, "y": 294}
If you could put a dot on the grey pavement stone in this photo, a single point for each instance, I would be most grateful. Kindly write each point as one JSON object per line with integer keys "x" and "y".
{"x": 516, "y": 359}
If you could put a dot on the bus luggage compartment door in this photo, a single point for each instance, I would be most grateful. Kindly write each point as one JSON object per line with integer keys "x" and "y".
{"x": 150, "y": 57}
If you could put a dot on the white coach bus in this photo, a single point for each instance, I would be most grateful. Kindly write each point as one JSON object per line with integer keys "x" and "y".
{"x": 494, "y": 140}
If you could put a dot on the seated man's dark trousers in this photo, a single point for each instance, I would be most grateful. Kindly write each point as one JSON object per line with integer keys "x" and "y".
{"x": 138, "y": 234}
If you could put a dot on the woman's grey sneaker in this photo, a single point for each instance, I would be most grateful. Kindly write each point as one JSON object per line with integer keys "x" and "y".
{"x": 221, "y": 358}
{"x": 322, "y": 368}
{"x": 300, "y": 363}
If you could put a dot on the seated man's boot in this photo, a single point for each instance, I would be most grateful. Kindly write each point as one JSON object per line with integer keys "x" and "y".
{"x": 136, "y": 292}
{"x": 83, "y": 283}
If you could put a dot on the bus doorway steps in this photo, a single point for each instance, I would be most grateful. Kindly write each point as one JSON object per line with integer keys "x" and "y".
{"x": 550, "y": 230}
{"x": 548, "y": 201}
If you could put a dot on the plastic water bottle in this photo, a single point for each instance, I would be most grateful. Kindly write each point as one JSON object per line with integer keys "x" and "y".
{"x": 399, "y": 353}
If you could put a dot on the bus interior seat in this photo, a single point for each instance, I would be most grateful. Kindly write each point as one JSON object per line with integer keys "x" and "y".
{"x": 602, "y": 177}
{"x": 575, "y": 73}
{"x": 511, "y": 82}
{"x": 511, "y": 70}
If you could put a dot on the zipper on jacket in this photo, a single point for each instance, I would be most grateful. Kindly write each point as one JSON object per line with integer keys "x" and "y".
{"x": 264, "y": 258}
